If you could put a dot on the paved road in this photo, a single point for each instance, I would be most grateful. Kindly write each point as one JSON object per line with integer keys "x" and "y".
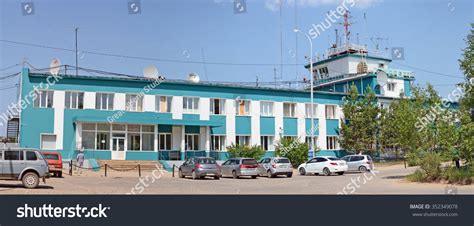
{"x": 385, "y": 180}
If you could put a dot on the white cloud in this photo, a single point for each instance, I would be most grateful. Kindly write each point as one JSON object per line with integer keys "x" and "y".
{"x": 274, "y": 5}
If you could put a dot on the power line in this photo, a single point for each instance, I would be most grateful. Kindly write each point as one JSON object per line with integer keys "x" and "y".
{"x": 432, "y": 72}
{"x": 8, "y": 87}
{"x": 147, "y": 58}
{"x": 9, "y": 76}
{"x": 9, "y": 67}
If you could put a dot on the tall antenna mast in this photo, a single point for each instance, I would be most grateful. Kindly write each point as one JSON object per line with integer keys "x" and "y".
{"x": 296, "y": 44}
{"x": 77, "y": 62}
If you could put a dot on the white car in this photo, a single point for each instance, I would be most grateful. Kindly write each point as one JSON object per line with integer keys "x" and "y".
{"x": 323, "y": 165}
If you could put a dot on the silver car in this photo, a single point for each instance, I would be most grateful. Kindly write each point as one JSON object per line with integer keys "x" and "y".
{"x": 273, "y": 166}
{"x": 27, "y": 165}
{"x": 200, "y": 167}
{"x": 237, "y": 167}
{"x": 361, "y": 163}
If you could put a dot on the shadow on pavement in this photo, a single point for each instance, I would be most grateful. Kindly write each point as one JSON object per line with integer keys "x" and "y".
{"x": 13, "y": 186}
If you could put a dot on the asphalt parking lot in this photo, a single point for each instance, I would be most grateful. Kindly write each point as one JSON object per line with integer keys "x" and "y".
{"x": 384, "y": 180}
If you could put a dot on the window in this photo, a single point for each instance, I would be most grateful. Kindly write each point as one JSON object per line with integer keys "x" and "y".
{"x": 31, "y": 156}
{"x": 331, "y": 143}
{"x": 242, "y": 140}
{"x": 88, "y": 136}
{"x": 217, "y": 143}
{"x": 345, "y": 88}
{"x": 289, "y": 110}
{"x": 242, "y": 107}
{"x": 44, "y": 99}
{"x": 391, "y": 86}
{"x": 148, "y": 138}
{"x": 308, "y": 110}
{"x": 361, "y": 68}
{"x": 323, "y": 71}
{"x": 104, "y": 101}
{"x": 308, "y": 141}
{"x": 192, "y": 142}
{"x": 266, "y": 108}
{"x": 217, "y": 106}
{"x": 163, "y": 104}
{"x": 74, "y": 100}
{"x": 1, "y": 155}
{"x": 266, "y": 142}
{"x": 103, "y": 137}
{"x": 133, "y": 102}
{"x": 330, "y": 111}
{"x": 381, "y": 65}
{"x": 191, "y": 105}
{"x": 134, "y": 138}
{"x": 48, "y": 141}
{"x": 165, "y": 141}
{"x": 14, "y": 155}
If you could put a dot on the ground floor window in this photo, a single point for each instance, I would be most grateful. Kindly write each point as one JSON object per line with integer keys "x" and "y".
{"x": 165, "y": 141}
{"x": 267, "y": 143}
{"x": 242, "y": 140}
{"x": 103, "y": 140}
{"x": 332, "y": 143}
{"x": 192, "y": 142}
{"x": 48, "y": 141}
{"x": 217, "y": 143}
{"x": 308, "y": 141}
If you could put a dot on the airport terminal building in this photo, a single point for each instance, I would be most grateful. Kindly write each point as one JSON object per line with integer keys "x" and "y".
{"x": 138, "y": 118}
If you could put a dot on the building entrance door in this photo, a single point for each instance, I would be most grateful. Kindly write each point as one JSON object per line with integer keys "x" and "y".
{"x": 118, "y": 147}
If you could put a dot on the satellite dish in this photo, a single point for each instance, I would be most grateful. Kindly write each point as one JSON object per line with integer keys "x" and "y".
{"x": 150, "y": 72}
{"x": 382, "y": 77}
{"x": 54, "y": 66}
{"x": 193, "y": 77}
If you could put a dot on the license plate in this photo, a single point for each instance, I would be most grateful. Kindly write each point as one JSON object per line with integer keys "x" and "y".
{"x": 283, "y": 167}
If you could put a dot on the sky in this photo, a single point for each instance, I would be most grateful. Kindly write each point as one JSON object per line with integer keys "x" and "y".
{"x": 239, "y": 47}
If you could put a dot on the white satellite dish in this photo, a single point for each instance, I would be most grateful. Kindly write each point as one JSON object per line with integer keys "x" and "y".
{"x": 150, "y": 72}
{"x": 382, "y": 77}
{"x": 193, "y": 77}
{"x": 54, "y": 66}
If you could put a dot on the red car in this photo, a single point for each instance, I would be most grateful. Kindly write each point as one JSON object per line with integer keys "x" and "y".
{"x": 55, "y": 163}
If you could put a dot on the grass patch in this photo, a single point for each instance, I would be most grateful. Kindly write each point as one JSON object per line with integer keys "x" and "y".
{"x": 451, "y": 175}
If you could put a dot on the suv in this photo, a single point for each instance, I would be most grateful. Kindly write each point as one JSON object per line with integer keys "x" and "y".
{"x": 27, "y": 165}
{"x": 200, "y": 167}
{"x": 55, "y": 163}
{"x": 362, "y": 163}
{"x": 237, "y": 167}
{"x": 273, "y": 166}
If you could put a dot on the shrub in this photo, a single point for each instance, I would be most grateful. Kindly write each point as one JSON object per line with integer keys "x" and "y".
{"x": 292, "y": 149}
{"x": 417, "y": 176}
{"x": 242, "y": 151}
{"x": 412, "y": 159}
{"x": 458, "y": 175}
{"x": 430, "y": 166}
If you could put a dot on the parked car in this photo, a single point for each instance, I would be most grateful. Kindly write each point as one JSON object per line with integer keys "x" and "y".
{"x": 55, "y": 163}
{"x": 27, "y": 165}
{"x": 274, "y": 166}
{"x": 237, "y": 167}
{"x": 362, "y": 163}
{"x": 200, "y": 167}
{"x": 323, "y": 165}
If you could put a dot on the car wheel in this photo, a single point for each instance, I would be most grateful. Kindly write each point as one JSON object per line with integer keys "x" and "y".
{"x": 60, "y": 174}
{"x": 340, "y": 173}
{"x": 234, "y": 174}
{"x": 217, "y": 177}
{"x": 194, "y": 175}
{"x": 302, "y": 171}
{"x": 326, "y": 172}
{"x": 30, "y": 180}
{"x": 289, "y": 175}
{"x": 362, "y": 169}
{"x": 180, "y": 173}
{"x": 269, "y": 174}
{"x": 254, "y": 177}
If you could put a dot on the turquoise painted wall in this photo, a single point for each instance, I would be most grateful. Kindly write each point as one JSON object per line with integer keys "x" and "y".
{"x": 243, "y": 125}
{"x": 308, "y": 126}
{"x": 267, "y": 125}
{"x": 332, "y": 127}
{"x": 407, "y": 88}
{"x": 290, "y": 126}
{"x": 221, "y": 121}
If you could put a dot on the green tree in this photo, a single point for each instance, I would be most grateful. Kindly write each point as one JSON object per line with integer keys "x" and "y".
{"x": 244, "y": 151}
{"x": 293, "y": 149}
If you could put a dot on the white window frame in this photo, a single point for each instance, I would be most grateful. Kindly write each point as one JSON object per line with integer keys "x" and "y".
{"x": 245, "y": 139}
{"x": 75, "y": 102}
{"x": 45, "y": 101}
{"x": 222, "y": 103}
{"x": 334, "y": 115}
{"x": 134, "y": 102}
{"x": 307, "y": 107}
{"x": 101, "y": 105}
{"x": 193, "y": 140}
{"x": 221, "y": 142}
{"x": 391, "y": 86}
{"x": 165, "y": 135}
{"x": 246, "y": 107}
{"x": 169, "y": 104}
{"x": 332, "y": 143}
{"x": 308, "y": 140}
{"x": 48, "y": 134}
{"x": 194, "y": 106}
{"x": 292, "y": 110}
{"x": 267, "y": 108}
{"x": 267, "y": 142}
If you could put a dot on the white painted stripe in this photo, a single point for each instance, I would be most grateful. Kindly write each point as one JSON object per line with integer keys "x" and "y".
{"x": 177, "y": 107}
{"x": 119, "y": 101}
{"x": 230, "y": 121}
{"x": 89, "y": 100}
{"x": 149, "y": 103}
{"x": 204, "y": 108}
{"x": 322, "y": 126}
{"x": 255, "y": 122}
{"x": 301, "y": 122}
{"x": 176, "y": 137}
{"x": 278, "y": 120}
{"x": 58, "y": 105}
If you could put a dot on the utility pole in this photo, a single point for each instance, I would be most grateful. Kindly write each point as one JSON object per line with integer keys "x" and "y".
{"x": 77, "y": 62}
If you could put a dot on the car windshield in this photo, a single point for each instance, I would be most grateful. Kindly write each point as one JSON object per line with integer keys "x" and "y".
{"x": 207, "y": 161}
{"x": 333, "y": 158}
{"x": 249, "y": 162}
{"x": 51, "y": 156}
{"x": 282, "y": 161}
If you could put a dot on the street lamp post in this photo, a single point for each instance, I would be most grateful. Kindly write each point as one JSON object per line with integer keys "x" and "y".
{"x": 311, "y": 86}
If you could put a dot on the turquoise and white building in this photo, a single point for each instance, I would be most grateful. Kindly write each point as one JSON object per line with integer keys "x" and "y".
{"x": 135, "y": 118}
